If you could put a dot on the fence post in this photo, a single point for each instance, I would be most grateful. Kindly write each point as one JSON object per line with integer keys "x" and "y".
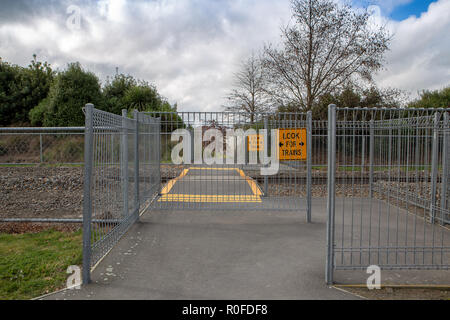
{"x": 87, "y": 204}
{"x": 266, "y": 152}
{"x": 434, "y": 166}
{"x": 445, "y": 167}
{"x": 125, "y": 180}
{"x": 136, "y": 164}
{"x": 308, "y": 165}
{"x": 159, "y": 155}
{"x": 331, "y": 192}
{"x": 41, "y": 156}
{"x": 246, "y": 152}
{"x": 371, "y": 157}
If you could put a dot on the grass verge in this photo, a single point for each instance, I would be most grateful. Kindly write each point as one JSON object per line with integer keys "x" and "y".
{"x": 33, "y": 264}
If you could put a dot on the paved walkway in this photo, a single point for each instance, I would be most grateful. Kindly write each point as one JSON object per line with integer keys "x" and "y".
{"x": 215, "y": 255}
{"x": 218, "y": 254}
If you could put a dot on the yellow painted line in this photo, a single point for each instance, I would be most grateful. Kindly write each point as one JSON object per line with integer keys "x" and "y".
{"x": 253, "y": 185}
{"x": 209, "y": 198}
{"x": 172, "y": 182}
{"x": 228, "y": 196}
{"x": 255, "y": 198}
{"x": 223, "y": 169}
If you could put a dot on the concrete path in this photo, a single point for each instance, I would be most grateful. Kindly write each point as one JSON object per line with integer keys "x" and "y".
{"x": 215, "y": 255}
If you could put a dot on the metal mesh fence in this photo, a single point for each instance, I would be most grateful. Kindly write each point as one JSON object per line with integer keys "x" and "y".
{"x": 149, "y": 158}
{"x": 121, "y": 170}
{"x": 388, "y": 175}
{"x": 393, "y": 163}
{"x": 41, "y": 174}
{"x": 235, "y": 179}
{"x": 28, "y": 146}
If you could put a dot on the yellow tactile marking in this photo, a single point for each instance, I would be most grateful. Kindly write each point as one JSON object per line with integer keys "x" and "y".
{"x": 255, "y": 198}
{"x": 172, "y": 182}
{"x": 223, "y": 169}
{"x": 209, "y": 198}
{"x": 253, "y": 185}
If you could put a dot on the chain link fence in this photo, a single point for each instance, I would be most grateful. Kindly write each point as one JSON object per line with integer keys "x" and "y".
{"x": 37, "y": 146}
{"x": 41, "y": 176}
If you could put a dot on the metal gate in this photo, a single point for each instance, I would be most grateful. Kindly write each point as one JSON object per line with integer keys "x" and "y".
{"x": 391, "y": 199}
{"x": 235, "y": 161}
{"x": 445, "y": 194}
{"x": 121, "y": 178}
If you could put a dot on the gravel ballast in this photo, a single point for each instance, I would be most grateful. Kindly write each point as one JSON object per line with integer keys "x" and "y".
{"x": 57, "y": 192}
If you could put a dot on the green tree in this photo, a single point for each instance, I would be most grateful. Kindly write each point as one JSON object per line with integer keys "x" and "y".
{"x": 69, "y": 92}
{"x": 143, "y": 97}
{"x": 114, "y": 92}
{"x": 21, "y": 89}
{"x": 432, "y": 99}
{"x": 9, "y": 87}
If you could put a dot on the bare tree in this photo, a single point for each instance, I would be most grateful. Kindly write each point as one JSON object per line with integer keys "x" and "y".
{"x": 328, "y": 46}
{"x": 248, "y": 94}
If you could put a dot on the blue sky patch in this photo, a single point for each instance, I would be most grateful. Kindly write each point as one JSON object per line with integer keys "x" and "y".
{"x": 415, "y": 7}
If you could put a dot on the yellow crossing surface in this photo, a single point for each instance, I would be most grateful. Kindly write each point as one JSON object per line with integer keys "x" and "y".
{"x": 209, "y": 198}
{"x": 166, "y": 196}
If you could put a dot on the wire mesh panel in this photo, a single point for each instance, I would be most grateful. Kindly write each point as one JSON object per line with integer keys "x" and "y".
{"x": 149, "y": 159}
{"x": 230, "y": 160}
{"x": 121, "y": 176}
{"x": 385, "y": 173}
{"x": 445, "y": 185}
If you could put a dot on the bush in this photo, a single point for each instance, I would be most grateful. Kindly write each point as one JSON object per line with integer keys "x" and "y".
{"x": 65, "y": 150}
{"x": 37, "y": 114}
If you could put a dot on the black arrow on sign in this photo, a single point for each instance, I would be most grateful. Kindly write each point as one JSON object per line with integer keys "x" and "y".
{"x": 281, "y": 144}
{"x": 302, "y": 144}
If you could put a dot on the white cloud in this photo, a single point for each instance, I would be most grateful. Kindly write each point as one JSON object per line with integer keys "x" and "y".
{"x": 420, "y": 51}
{"x": 190, "y": 48}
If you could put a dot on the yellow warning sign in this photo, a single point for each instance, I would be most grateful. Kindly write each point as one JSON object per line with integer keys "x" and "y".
{"x": 292, "y": 144}
{"x": 255, "y": 142}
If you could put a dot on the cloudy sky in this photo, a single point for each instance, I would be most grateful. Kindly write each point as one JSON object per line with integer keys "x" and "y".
{"x": 190, "y": 48}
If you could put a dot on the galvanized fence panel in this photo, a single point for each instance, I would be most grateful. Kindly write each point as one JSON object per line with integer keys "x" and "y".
{"x": 149, "y": 158}
{"x": 234, "y": 181}
{"x": 445, "y": 184}
{"x": 114, "y": 146}
{"x": 385, "y": 170}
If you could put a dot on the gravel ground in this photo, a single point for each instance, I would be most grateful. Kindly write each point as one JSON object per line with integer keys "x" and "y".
{"x": 41, "y": 192}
